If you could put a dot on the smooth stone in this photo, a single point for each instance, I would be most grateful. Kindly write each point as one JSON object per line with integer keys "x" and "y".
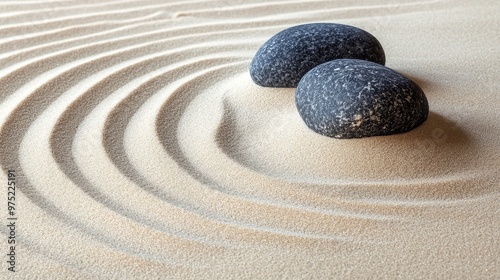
{"x": 290, "y": 54}
{"x": 349, "y": 98}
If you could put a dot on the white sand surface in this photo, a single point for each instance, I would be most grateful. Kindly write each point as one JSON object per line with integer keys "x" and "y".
{"x": 143, "y": 150}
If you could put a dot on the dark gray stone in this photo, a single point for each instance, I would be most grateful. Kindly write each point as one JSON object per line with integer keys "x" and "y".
{"x": 350, "y": 98}
{"x": 288, "y": 55}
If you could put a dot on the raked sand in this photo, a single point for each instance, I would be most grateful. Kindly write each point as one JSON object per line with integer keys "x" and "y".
{"x": 142, "y": 148}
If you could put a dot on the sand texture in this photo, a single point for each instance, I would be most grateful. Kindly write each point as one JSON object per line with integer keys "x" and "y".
{"x": 143, "y": 150}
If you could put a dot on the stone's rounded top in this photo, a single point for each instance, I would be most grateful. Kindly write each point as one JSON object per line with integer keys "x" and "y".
{"x": 288, "y": 55}
{"x": 350, "y": 98}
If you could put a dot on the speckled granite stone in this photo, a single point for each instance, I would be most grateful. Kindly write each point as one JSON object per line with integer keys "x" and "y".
{"x": 350, "y": 98}
{"x": 288, "y": 55}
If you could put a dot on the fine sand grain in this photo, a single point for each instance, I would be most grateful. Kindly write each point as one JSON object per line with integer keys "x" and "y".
{"x": 142, "y": 148}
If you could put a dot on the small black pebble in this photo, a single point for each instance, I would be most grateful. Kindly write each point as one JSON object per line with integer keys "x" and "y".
{"x": 288, "y": 55}
{"x": 350, "y": 98}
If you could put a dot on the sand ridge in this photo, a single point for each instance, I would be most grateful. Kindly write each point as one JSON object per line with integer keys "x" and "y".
{"x": 142, "y": 148}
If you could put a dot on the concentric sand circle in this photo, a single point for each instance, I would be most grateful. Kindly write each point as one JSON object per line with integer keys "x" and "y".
{"x": 143, "y": 149}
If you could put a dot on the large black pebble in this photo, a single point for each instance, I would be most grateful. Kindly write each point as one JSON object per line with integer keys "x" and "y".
{"x": 349, "y": 98}
{"x": 288, "y": 55}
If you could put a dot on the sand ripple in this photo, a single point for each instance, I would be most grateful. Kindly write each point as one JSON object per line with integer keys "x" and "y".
{"x": 142, "y": 145}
